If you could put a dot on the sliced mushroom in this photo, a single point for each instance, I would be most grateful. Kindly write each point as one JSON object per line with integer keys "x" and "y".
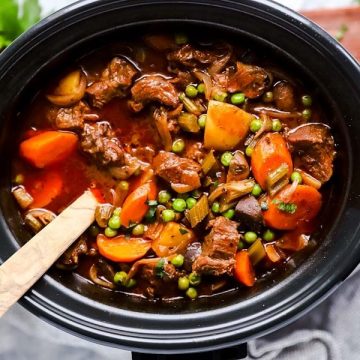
{"x": 70, "y": 259}
{"x": 101, "y": 273}
{"x": 239, "y": 167}
{"x": 70, "y": 89}
{"x": 36, "y": 219}
{"x": 23, "y": 198}
{"x": 103, "y": 213}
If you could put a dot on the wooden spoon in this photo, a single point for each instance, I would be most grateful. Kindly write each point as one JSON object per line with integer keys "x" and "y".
{"x": 20, "y": 272}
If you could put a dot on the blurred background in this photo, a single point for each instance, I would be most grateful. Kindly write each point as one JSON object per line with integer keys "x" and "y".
{"x": 329, "y": 332}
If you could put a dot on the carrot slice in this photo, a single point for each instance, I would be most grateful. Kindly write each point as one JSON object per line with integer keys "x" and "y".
{"x": 269, "y": 153}
{"x": 305, "y": 201}
{"x": 146, "y": 176}
{"x": 135, "y": 205}
{"x": 244, "y": 271}
{"x": 48, "y": 147}
{"x": 45, "y": 188}
{"x": 122, "y": 249}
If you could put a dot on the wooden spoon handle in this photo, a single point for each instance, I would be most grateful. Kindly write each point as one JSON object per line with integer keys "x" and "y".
{"x": 31, "y": 261}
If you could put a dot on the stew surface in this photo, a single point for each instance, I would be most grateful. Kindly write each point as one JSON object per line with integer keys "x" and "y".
{"x": 209, "y": 162}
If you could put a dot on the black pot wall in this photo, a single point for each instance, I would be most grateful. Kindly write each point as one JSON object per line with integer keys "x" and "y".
{"x": 71, "y": 302}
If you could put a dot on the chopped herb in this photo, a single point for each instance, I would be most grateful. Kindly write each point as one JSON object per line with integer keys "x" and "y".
{"x": 152, "y": 202}
{"x": 343, "y": 29}
{"x": 150, "y": 215}
{"x": 159, "y": 268}
{"x": 285, "y": 207}
{"x": 215, "y": 183}
{"x": 183, "y": 231}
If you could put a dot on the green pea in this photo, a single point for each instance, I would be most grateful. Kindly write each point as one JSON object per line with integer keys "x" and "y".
{"x": 276, "y": 125}
{"x": 183, "y": 283}
{"x": 194, "y": 279}
{"x": 168, "y": 215}
{"x": 201, "y": 88}
{"x": 120, "y": 277}
{"x": 138, "y": 230}
{"x": 268, "y": 235}
{"x": 117, "y": 211}
{"x": 179, "y": 205}
{"x": 19, "y": 179}
{"x": 226, "y": 158}
{"x": 229, "y": 214}
{"x": 250, "y": 237}
{"x": 215, "y": 207}
{"x": 109, "y": 232}
{"x": 181, "y": 39}
{"x": 237, "y": 98}
{"x": 190, "y": 202}
{"x": 124, "y": 185}
{"x": 306, "y": 100}
{"x": 296, "y": 176}
{"x": 255, "y": 125}
{"x": 240, "y": 245}
{"x": 130, "y": 283}
{"x": 94, "y": 230}
{"x": 178, "y": 260}
{"x": 268, "y": 97}
{"x": 220, "y": 96}
{"x": 191, "y": 91}
{"x": 248, "y": 151}
{"x": 191, "y": 293}
{"x": 256, "y": 191}
{"x": 306, "y": 114}
{"x": 164, "y": 196}
{"x": 114, "y": 222}
{"x": 202, "y": 121}
{"x": 178, "y": 146}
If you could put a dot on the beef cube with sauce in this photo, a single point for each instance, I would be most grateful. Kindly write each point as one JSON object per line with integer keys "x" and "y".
{"x": 315, "y": 149}
{"x": 114, "y": 81}
{"x": 181, "y": 173}
{"x": 219, "y": 248}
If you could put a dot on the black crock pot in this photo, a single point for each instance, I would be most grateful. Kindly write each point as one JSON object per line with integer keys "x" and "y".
{"x": 231, "y": 318}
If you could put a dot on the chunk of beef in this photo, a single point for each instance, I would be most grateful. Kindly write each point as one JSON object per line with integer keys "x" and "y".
{"x": 182, "y": 79}
{"x": 239, "y": 168}
{"x": 161, "y": 122}
{"x": 181, "y": 173}
{"x": 314, "y": 147}
{"x": 249, "y": 79}
{"x": 153, "y": 88}
{"x": 195, "y": 152}
{"x": 189, "y": 56}
{"x": 219, "y": 248}
{"x": 144, "y": 153}
{"x": 70, "y": 259}
{"x": 248, "y": 213}
{"x": 100, "y": 142}
{"x": 72, "y": 117}
{"x": 154, "y": 283}
{"x": 284, "y": 96}
{"x": 114, "y": 81}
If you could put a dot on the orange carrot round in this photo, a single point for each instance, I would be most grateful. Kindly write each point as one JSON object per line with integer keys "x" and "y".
{"x": 45, "y": 188}
{"x": 244, "y": 271}
{"x": 135, "y": 205}
{"x": 48, "y": 147}
{"x": 269, "y": 153}
{"x": 288, "y": 209}
{"x": 122, "y": 249}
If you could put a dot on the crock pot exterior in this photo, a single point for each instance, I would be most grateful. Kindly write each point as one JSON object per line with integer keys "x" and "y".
{"x": 337, "y": 75}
